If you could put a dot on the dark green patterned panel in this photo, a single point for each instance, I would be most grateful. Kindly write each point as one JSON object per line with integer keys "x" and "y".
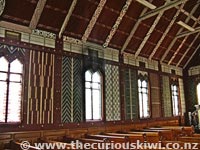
{"x": 131, "y": 94}
{"x": 191, "y": 94}
{"x": 71, "y": 90}
{"x": 66, "y": 90}
{"x": 166, "y": 96}
{"x": 77, "y": 91}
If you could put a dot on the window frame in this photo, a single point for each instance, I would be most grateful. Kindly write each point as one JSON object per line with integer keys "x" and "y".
{"x": 8, "y": 83}
{"x": 141, "y": 78}
{"x": 91, "y": 89}
{"x": 198, "y": 91}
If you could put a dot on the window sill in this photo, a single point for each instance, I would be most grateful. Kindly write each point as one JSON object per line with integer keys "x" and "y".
{"x": 10, "y": 124}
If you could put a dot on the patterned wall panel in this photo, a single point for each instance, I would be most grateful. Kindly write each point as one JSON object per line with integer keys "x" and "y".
{"x": 182, "y": 96}
{"x": 112, "y": 93}
{"x": 131, "y": 94}
{"x": 71, "y": 90}
{"x": 155, "y": 95}
{"x": 191, "y": 98}
{"x": 40, "y": 103}
{"x": 166, "y": 96}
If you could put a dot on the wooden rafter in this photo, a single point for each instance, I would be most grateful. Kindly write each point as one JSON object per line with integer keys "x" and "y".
{"x": 117, "y": 23}
{"x": 15, "y": 27}
{"x": 174, "y": 40}
{"x": 188, "y": 33}
{"x": 149, "y": 33}
{"x": 166, "y": 31}
{"x": 37, "y": 13}
{"x": 183, "y": 41}
{"x": 71, "y": 9}
{"x": 133, "y": 31}
{"x": 188, "y": 49}
{"x": 191, "y": 56}
{"x": 93, "y": 20}
{"x": 156, "y": 11}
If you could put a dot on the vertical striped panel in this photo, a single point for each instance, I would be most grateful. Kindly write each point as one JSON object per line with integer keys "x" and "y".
{"x": 155, "y": 95}
{"x": 66, "y": 90}
{"x": 182, "y": 96}
{"x": 166, "y": 96}
{"x": 77, "y": 90}
{"x": 112, "y": 93}
{"x": 131, "y": 94}
{"x": 40, "y": 88}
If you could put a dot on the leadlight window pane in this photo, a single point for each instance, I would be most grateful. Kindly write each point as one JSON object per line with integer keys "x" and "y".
{"x": 4, "y": 64}
{"x": 16, "y": 66}
{"x": 14, "y": 102}
{"x": 174, "y": 89}
{"x": 3, "y": 87}
{"x": 88, "y": 76}
{"x": 15, "y": 78}
{"x": 96, "y": 77}
{"x": 88, "y": 85}
{"x": 88, "y": 104}
{"x": 3, "y": 76}
{"x": 95, "y": 86}
{"x": 96, "y": 105}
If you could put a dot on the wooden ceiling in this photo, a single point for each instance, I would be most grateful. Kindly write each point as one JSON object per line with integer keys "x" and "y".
{"x": 125, "y": 25}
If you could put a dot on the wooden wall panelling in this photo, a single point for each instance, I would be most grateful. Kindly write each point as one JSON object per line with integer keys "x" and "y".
{"x": 155, "y": 95}
{"x": 40, "y": 105}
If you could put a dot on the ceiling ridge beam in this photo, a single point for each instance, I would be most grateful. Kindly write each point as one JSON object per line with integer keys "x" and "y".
{"x": 161, "y": 8}
{"x": 117, "y": 23}
{"x": 149, "y": 33}
{"x": 64, "y": 25}
{"x": 185, "y": 53}
{"x": 186, "y": 37}
{"x": 191, "y": 56}
{"x": 165, "y": 33}
{"x": 133, "y": 31}
{"x": 93, "y": 20}
{"x": 37, "y": 14}
{"x": 174, "y": 40}
{"x": 15, "y": 27}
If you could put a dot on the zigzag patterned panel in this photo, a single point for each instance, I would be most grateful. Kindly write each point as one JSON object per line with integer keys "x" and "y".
{"x": 66, "y": 90}
{"x": 112, "y": 93}
{"x": 166, "y": 97}
{"x": 131, "y": 94}
{"x": 71, "y": 90}
{"x": 77, "y": 89}
{"x": 191, "y": 94}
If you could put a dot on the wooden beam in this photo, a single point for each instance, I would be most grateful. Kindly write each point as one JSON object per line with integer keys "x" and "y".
{"x": 117, "y": 23}
{"x": 188, "y": 49}
{"x": 71, "y": 9}
{"x": 184, "y": 40}
{"x": 37, "y": 13}
{"x": 133, "y": 31}
{"x": 93, "y": 20}
{"x": 166, "y": 31}
{"x": 188, "y": 33}
{"x": 15, "y": 27}
{"x": 191, "y": 56}
{"x": 174, "y": 40}
{"x": 162, "y": 8}
{"x": 149, "y": 33}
